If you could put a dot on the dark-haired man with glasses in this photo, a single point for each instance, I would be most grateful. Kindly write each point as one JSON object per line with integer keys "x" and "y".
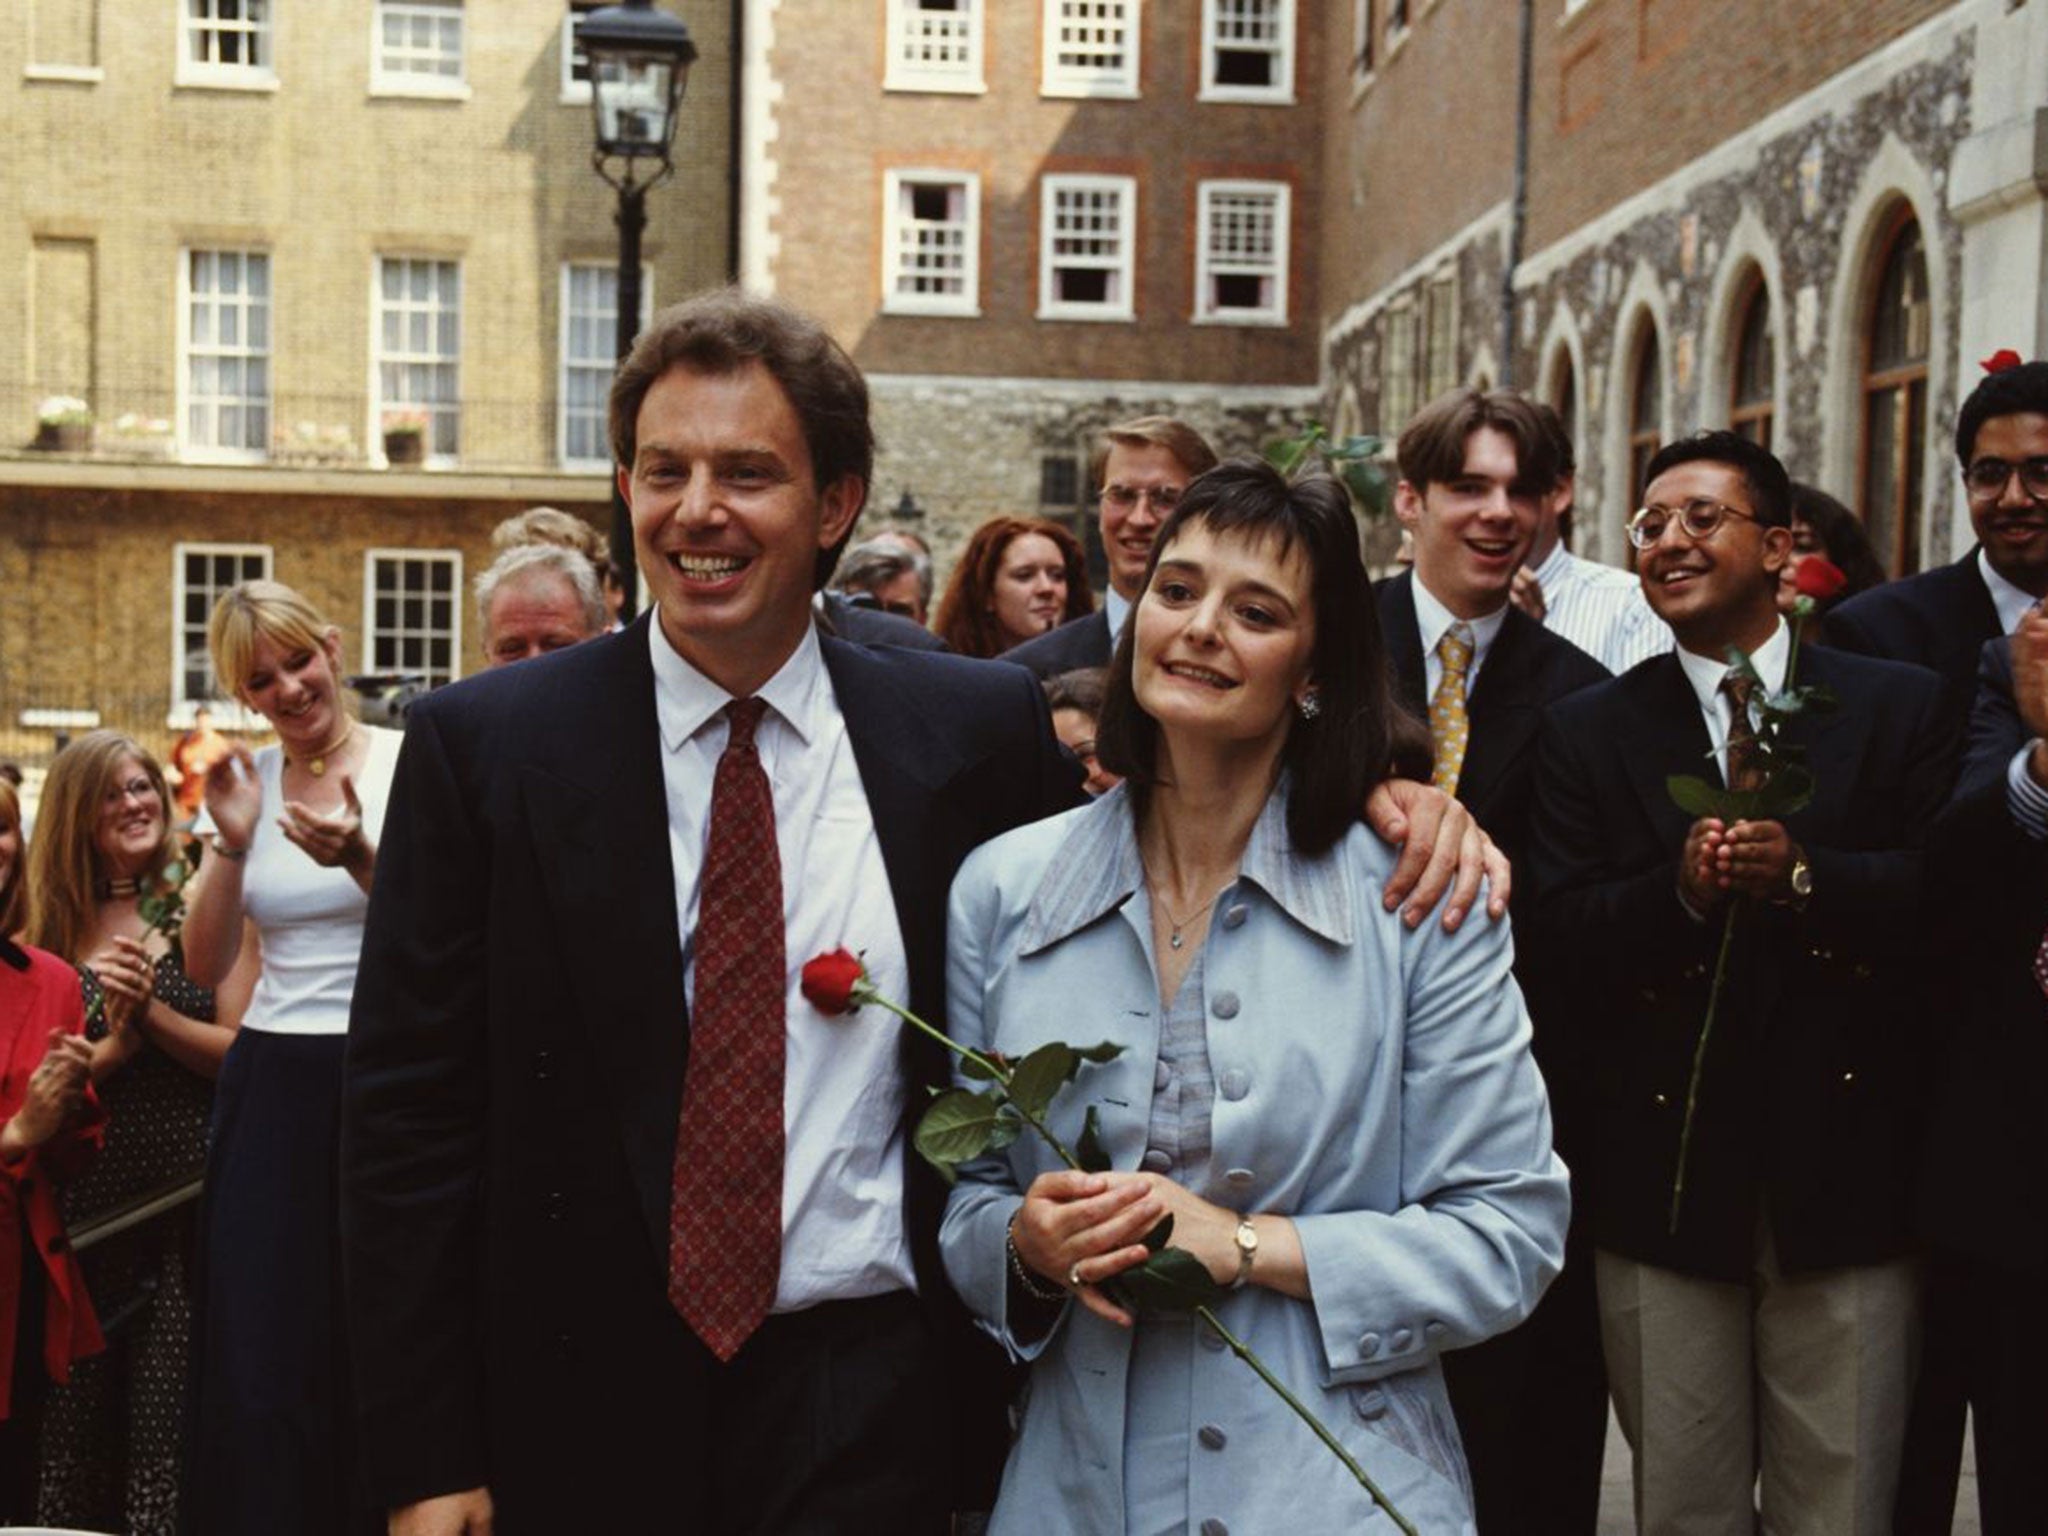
{"x": 1139, "y": 469}
{"x": 1941, "y": 618}
{"x": 1768, "y": 1333}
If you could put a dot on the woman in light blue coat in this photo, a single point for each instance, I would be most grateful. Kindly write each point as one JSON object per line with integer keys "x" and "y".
{"x": 1339, "y": 1111}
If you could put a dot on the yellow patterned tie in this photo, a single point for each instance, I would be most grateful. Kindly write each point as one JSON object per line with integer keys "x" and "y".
{"x": 1449, "y": 726}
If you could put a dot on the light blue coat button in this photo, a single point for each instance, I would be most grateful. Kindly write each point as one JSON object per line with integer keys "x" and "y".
{"x": 1233, "y": 917}
{"x": 1212, "y": 1436}
{"x": 1224, "y": 1005}
{"x": 1156, "y": 1161}
{"x": 1162, "y": 1074}
{"x": 1434, "y": 1330}
{"x": 1369, "y": 1345}
{"x": 1239, "y": 1177}
{"x": 1403, "y": 1338}
{"x": 1215, "y": 1528}
{"x": 1235, "y": 1084}
{"x": 1370, "y": 1402}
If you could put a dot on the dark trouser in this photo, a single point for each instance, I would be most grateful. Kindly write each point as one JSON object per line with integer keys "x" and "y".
{"x": 1532, "y": 1410}
{"x": 30, "y": 1386}
{"x": 1984, "y": 1350}
{"x": 826, "y": 1422}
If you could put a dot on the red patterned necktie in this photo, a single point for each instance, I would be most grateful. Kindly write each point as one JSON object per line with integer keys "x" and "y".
{"x": 725, "y": 1213}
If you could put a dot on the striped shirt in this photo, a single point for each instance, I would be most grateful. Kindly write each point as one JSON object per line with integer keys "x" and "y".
{"x": 1601, "y": 610}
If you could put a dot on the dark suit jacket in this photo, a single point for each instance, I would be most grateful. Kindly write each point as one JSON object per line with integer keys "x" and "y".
{"x": 517, "y": 1051}
{"x": 1938, "y": 619}
{"x": 1979, "y": 1196}
{"x": 1812, "y": 1088}
{"x": 1082, "y": 642}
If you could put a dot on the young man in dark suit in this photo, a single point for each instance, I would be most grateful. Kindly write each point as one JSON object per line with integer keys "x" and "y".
{"x": 1138, "y": 470}
{"x": 1941, "y": 618}
{"x": 632, "y": 1233}
{"x": 1771, "y": 1330}
{"x": 1475, "y": 467}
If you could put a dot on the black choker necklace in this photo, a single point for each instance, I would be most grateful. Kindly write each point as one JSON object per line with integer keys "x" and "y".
{"x": 107, "y": 890}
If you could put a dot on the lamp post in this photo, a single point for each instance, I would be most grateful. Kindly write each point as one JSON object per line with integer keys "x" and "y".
{"x": 639, "y": 62}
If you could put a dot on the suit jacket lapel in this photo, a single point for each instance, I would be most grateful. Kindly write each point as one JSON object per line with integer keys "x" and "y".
{"x": 1504, "y": 708}
{"x": 1403, "y": 632}
{"x": 1665, "y": 735}
{"x": 599, "y": 828}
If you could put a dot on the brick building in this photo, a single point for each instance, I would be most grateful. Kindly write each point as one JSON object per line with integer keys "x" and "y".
{"x": 251, "y": 235}
{"x": 1027, "y": 219}
{"x": 1799, "y": 217}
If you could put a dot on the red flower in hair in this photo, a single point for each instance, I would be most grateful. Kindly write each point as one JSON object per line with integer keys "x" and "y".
{"x": 2001, "y": 360}
{"x": 1819, "y": 578}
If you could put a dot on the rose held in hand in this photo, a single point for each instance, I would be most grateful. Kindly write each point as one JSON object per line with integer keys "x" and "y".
{"x": 829, "y": 981}
{"x": 1819, "y": 578}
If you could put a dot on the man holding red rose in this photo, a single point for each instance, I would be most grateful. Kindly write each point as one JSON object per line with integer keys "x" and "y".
{"x": 630, "y": 1227}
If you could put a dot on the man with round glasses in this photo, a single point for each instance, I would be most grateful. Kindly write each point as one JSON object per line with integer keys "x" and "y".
{"x": 1941, "y": 618}
{"x": 1140, "y": 469}
{"x": 1764, "y": 1337}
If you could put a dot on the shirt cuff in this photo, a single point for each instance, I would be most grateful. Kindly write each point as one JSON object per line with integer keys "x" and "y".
{"x": 2026, "y": 800}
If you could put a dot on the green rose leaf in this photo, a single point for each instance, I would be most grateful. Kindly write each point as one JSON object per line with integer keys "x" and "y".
{"x": 1101, "y": 1054}
{"x": 1696, "y": 797}
{"x": 1790, "y": 789}
{"x": 1041, "y": 1075}
{"x": 969, "y": 1067}
{"x": 1008, "y": 1127}
{"x": 1160, "y": 1235}
{"x": 1172, "y": 1280}
{"x": 1089, "y": 1151}
{"x": 959, "y": 1126}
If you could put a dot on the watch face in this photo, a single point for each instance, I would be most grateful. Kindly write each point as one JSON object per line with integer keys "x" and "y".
{"x": 1802, "y": 880}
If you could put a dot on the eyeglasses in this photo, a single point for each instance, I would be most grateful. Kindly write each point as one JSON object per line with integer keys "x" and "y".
{"x": 1988, "y": 478}
{"x": 1698, "y": 520}
{"x": 1164, "y": 498}
{"x": 134, "y": 789}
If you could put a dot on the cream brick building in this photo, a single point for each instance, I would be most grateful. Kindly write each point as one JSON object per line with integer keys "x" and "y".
{"x": 251, "y": 233}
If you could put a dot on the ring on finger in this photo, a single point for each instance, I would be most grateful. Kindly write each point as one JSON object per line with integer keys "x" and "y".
{"x": 1074, "y": 1280}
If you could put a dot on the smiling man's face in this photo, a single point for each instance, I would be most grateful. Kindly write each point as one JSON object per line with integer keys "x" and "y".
{"x": 1473, "y": 530}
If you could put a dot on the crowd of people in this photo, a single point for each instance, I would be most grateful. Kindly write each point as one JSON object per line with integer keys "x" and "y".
{"x": 457, "y": 1149}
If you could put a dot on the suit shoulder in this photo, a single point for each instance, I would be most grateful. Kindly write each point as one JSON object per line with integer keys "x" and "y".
{"x": 1609, "y": 696}
{"x": 1566, "y": 668}
{"x": 1082, "y": 642}
{"x": 1877, "y": 678}
{"x": 1936, "y": 594}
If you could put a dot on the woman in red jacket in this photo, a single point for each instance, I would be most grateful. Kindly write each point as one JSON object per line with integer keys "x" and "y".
{"x": 49, "y": 1125}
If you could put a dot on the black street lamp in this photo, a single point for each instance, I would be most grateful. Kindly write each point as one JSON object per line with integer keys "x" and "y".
{"x": 639, "y": 61}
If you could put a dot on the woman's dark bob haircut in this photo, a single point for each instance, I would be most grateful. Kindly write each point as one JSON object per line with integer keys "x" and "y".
{"x": 1336, "y": 758}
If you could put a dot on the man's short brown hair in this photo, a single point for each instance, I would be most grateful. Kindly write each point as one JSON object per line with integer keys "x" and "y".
{"x": 1432, "y": 445}
{"x": 1176, "y": 437}
{"x": 720, "y": 332}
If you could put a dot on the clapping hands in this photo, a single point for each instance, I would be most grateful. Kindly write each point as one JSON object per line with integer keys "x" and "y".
{"x": 55, "y": 1090}
{"x": 333, "y": 839}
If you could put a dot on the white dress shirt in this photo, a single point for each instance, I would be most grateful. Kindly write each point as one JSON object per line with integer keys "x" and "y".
{"x": 1705, "y": 674}
{"x": 1601, "y": 610}
{"x": 1432, "y": 618}
{"x": 1115, "y": 608}
{"x": 2011, "y": 602}
{"x": 843, "y": 1232}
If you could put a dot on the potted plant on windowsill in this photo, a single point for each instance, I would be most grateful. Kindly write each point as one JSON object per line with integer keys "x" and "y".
{"x": 64, "y": 425}
{"x": 405, "y": 438}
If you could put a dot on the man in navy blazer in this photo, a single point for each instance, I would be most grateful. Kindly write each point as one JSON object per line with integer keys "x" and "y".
{"x": 1772, "y": 1328}
{"x": 1474, "y": 466}
{"x": 1941, "y": 618}
{"x": 1138, "y": 470}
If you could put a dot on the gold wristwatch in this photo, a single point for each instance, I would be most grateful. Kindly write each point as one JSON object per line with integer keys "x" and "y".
{"x": 1247, "y": 1251}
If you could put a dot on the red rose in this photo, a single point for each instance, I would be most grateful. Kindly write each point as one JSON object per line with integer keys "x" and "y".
{"x": 2001, "y": 360}
{"x": 1819, "y": 578}
{"x": 829, "y": 980}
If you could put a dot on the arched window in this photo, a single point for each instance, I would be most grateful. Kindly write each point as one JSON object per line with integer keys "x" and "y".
{"x": 1753, "y": 377}
{"x": 1645, "y": 412}
{"x": 1896, "y": 339}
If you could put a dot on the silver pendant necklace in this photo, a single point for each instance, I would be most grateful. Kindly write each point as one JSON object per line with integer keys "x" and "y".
{"x": 1174, "y": 938}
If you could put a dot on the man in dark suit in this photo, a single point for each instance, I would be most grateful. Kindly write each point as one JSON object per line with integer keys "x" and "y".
{"x": 1770, "y": 1328}
{"x": 541, "y": 1222}
{"x": 1474, "y": 467}
{"x": 1941, "y": 618}
{"x": 1138, "y": 470}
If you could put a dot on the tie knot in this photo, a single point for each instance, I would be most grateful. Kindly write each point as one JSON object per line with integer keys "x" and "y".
{"x": 743, "y": 716}
{"x": 1738, "y": 686}
{"x": 1454, "y": 649}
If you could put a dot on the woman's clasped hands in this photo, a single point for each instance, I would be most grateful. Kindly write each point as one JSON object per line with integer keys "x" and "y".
{"x": 1081, "y": 1230}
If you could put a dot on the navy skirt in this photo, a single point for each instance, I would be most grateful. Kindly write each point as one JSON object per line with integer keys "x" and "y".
{"x": 273, "y": 1439}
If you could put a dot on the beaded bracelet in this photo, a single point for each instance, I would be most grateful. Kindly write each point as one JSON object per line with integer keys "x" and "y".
{"x": 1023, "y": 1271}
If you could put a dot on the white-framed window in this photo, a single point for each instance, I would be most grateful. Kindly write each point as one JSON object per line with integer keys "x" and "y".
{"x": 1248, "y": 50}
{"x": 226, "y": 42}
{"x": 1440, "y": 335}
{"x": 416, "y": 48}
{"x": 1241, "y": 252}
{"x": 1397, "y": 367}
{"x": 931, "y": 243}
{"x": 1091, "y": 48}
{"x": 589, "y": 338}
{"x": 1087, "y": 233}
{"x": 200, "y": 575}
{"x": 224, "y": 354}
{"x": 412, "y": 613}
{"x": 417, "y": 345}
{"x": 935, "y": 45}
{"x": 575, "y": 65}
